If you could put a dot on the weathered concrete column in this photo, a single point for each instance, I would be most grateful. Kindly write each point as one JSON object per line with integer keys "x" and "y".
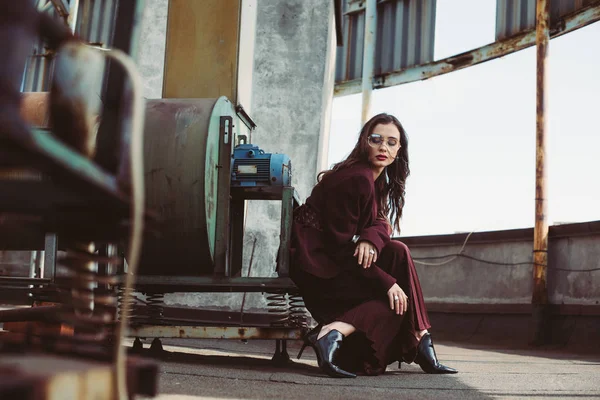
{"x": 291, "y": 103}
{"x": 151, "y": 57}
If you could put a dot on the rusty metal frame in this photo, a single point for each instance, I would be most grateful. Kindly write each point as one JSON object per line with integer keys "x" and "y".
{"x": 171, "y": 284}
{"x": 570, "y": 23}
{"x": 62, "y": 7}
{"x": 215, "y": 332}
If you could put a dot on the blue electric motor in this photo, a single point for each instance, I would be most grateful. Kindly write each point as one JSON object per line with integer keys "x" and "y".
{"x": 251, "y": 166}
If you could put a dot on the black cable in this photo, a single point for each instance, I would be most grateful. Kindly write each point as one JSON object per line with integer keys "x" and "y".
{"x": 501, "y": 263}
{"x": 494, "y": 262}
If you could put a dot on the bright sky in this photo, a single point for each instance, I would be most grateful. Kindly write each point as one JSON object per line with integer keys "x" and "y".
{"x": 472, "y": 132}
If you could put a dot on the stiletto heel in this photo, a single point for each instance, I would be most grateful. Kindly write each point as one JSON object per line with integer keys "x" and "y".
{"x": 427, "y": 359}
{"x": 302, "y": 349}
{"x": 309, "y": 338}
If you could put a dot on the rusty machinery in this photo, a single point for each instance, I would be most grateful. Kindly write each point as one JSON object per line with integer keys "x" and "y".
{"x": 58, "y": 191}
{"x": 199, "y": 173}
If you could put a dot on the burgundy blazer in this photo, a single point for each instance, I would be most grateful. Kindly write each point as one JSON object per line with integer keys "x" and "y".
{"x": 345, "y": 203}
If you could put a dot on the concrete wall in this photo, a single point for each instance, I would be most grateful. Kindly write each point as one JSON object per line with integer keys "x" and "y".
{"x": 567, "y": 284}
{"x": 15, "y": 263}
{"x": 151, "y": 57}
{"x": 463, "y": 280}
{"x": 467, "y": 281}
{"x": 475, "y": 302}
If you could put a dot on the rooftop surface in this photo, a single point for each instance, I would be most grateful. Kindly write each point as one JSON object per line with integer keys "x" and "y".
{"x": 227, "y": 369}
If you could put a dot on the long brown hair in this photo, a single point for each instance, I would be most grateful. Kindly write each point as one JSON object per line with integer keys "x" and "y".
{"x": 390, "y": 186}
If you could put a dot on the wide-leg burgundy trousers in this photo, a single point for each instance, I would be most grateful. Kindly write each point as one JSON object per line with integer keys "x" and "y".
{"x": 354, "y": 297}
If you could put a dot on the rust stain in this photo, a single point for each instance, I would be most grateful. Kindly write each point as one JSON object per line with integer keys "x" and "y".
{"x": 242, "y": 332}
{"x": 461, "y": 60}
{"x": 34, "y": 108}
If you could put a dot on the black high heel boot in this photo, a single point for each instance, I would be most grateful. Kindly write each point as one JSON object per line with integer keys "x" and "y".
{"x": 325, "y": 349}
{"x": 427, "y": 359}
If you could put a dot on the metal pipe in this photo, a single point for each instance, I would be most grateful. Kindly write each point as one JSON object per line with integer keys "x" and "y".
{"x": 40, "y": 313}
{"x": 368, "y": 58}
{"x": 540, "y": 231}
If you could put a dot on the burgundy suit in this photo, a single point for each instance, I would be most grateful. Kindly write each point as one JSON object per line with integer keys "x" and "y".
{"x": 336, "y": 288}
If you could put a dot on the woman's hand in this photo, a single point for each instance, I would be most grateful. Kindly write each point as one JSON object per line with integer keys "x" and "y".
{"x": 398, "y": 299}
{"x": 366, "y": 253}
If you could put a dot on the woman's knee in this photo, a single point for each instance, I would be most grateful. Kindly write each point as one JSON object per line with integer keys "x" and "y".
{"x": 397, "y": 247}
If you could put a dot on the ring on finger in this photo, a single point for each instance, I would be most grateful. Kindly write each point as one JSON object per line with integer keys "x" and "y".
{"x": 396, "y": 298}
{"x": 371, "y": 251}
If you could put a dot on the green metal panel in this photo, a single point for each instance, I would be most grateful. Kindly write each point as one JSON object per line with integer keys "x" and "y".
{"x": 223, "y": 129}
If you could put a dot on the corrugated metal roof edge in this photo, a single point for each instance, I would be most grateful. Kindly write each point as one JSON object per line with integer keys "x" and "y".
{"x": 568, "y": 24}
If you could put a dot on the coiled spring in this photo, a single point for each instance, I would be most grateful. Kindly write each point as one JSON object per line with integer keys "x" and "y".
{"x": 154, "y": 307}
{"x": 88, "y": 292}
{"x": 287, "y": 309}
{"x": 298, "y": 315}
{"x": 122, "y": 304}
{"x": 277, "y": 307}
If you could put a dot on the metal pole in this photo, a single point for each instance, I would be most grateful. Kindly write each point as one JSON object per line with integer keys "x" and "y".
{"x": 73, "y": 13}
{"x": 540, "y": 234}
{"x": 368, "y": 58}
{"x": 50, "y": 249}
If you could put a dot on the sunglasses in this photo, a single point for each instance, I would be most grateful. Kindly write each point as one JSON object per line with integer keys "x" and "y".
{"x": 376, "y": 140}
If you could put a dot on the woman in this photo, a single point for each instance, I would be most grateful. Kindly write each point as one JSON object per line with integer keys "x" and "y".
{"x": 361, "y": 287}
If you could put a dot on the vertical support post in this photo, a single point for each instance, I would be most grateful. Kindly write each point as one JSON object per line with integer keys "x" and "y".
{"x": 223, "y": 230}
{"x": 237, "y": 233}
{"x": 368, "y": 58}
{"x": 285, "y": 236}
{"x": 125, "y": 37}
{"x": 32, "y": 267}
{"x": 32, "y": 263}
{"x": 50, "y": 249}
{"x": 73, "y": 13}
{"x": 540, "y": 234}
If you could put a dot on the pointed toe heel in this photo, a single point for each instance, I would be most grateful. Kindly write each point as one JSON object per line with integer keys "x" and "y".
{"x": 427, "y": 359}
{"x": 326, "y": 348}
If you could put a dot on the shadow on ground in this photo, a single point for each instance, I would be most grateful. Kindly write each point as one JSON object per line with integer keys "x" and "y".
{"x": 230, "y": 369}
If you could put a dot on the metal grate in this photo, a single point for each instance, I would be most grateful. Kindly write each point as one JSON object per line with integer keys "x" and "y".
{"x": 262, "y": 174}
